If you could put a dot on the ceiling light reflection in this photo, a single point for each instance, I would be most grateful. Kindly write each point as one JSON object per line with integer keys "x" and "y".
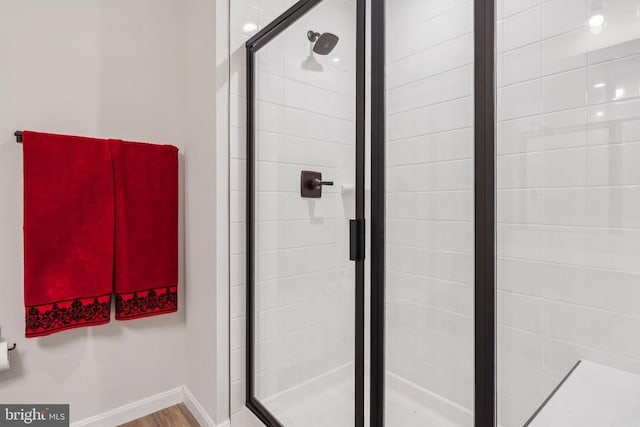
{"x": 249, "y": 27}
{"x": 596, "y": 20}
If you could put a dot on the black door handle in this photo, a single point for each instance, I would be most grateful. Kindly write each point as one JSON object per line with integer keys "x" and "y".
{"x": 356, "y": 239}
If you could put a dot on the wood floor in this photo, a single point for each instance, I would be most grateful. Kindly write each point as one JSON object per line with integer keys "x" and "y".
{"x": 174, "y": 416}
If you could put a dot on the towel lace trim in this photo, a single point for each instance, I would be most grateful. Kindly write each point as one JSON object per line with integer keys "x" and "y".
{"x": 49, "y": 318}
{"x": 146, "y": 303}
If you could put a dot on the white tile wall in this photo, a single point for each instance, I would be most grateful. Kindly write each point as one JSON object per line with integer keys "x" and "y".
{"x": 567, "y": 235}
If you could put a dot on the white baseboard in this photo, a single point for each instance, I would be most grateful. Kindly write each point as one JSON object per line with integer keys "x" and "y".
{"x": 149, "y": 405}
{"x": 133, "y": 410}
{"x": 198, "y": 411}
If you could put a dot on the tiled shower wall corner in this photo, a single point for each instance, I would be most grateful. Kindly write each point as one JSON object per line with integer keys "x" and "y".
{"x": 243, "y": 13}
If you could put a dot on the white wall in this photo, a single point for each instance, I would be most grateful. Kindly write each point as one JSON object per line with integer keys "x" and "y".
{"x": 207, "y": 204}
{"x": 568, "y": 191}
{"x": 103, "y": 68}
{"x": 146, "y": 70}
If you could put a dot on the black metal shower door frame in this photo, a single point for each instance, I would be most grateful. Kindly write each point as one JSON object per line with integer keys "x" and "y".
{"x": 253, "y": 45}
{"x": 484, "y": 30}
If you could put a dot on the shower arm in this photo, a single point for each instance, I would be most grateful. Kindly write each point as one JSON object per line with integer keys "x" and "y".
{"x": 312, "y": 36}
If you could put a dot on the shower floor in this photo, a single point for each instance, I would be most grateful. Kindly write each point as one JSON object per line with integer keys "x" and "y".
{"x": 331, "y": 404}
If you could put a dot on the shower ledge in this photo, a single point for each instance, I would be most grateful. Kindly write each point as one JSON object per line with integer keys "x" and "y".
{"x": 592, "y": 395}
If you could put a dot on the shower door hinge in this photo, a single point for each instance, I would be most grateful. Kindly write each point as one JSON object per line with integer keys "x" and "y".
{"x": 356, "y": 239}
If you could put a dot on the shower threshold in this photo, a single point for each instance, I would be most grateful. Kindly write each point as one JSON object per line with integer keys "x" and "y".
{"x": 327, "y": 400}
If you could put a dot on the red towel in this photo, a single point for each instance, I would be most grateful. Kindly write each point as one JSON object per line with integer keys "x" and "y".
{"x": 68, "y": 232}
{"x": 146, "y": 214}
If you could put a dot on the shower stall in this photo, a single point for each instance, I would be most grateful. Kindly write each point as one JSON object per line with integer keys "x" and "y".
{"x": 443, "y": 213}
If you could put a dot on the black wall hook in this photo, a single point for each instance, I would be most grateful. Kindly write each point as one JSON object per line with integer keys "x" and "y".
{"x": 18, "y": 135}
{"x": 13, "y": 347}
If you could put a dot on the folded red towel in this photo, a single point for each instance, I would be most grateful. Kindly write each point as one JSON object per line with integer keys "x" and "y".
{"x": 146, "y": 213}
{"x": 68, "y": 232}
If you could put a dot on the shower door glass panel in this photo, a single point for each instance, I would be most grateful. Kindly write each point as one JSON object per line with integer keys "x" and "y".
{"x": 429, "y": 213}
{"x": 305, "y": 120}
{"x": 568, "y": 210}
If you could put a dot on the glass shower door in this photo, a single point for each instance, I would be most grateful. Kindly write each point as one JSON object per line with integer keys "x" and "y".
{"x": 428, "y": 160}
{"x": 304, "y": 360}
